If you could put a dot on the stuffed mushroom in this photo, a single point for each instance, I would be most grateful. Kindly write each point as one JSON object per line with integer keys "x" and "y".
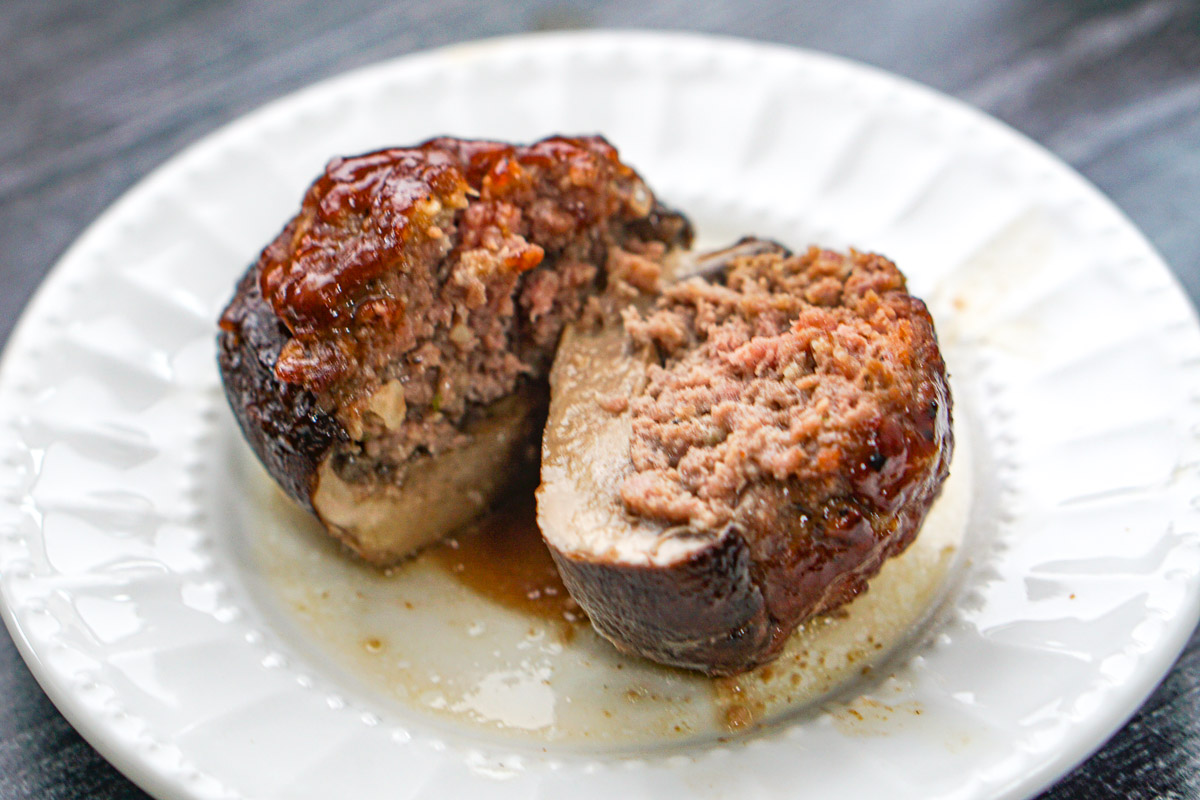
{"x": 386, "y": 355}
{"x": 742, "y": 453}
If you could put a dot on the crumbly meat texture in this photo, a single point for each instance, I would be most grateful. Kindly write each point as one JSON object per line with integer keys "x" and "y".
{"x": 418, "y": 285}
{"x": 802, "y": 404}
{"x": 788, "y": 372}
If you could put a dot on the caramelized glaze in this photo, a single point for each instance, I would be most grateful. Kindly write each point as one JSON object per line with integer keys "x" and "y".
{"x": 316, "y": 282}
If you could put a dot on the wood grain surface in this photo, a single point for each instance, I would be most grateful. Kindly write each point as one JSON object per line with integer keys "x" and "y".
{"x": 94, "y": 95}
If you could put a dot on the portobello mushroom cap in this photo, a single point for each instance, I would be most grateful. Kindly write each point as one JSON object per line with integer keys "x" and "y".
{"x": 385, "y": 356}
{"x": 743, "y": 453}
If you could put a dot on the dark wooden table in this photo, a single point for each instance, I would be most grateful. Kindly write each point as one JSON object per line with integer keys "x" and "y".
{"x": 94, "y": 95}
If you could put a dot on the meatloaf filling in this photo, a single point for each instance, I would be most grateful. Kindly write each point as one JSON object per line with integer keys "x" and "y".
{"x": 419, "y": 285}
{"x": 802, "y": 401}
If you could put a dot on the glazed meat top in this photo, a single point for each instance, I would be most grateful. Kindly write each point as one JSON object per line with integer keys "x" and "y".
{"x": 444, "y": 272}
{"x": 818, "y": 373}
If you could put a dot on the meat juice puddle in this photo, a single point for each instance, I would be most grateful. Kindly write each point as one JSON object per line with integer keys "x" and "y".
{"x": 478, "y": 630}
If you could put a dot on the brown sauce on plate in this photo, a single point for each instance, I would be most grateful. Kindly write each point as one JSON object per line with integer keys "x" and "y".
{"x": 503, "y": 559}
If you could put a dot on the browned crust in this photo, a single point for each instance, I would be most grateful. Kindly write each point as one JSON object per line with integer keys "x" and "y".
{"x": 284, "y": 426}
{"x": 705, "y": 613}
{"x": 731, "y": 606}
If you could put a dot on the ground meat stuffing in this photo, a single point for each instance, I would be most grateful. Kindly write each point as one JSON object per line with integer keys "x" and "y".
{"x": 420, "y": 284}
{"x": 806, "y": 371}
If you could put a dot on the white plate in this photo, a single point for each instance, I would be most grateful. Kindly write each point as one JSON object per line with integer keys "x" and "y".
{"x": 1074, "y": 351}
